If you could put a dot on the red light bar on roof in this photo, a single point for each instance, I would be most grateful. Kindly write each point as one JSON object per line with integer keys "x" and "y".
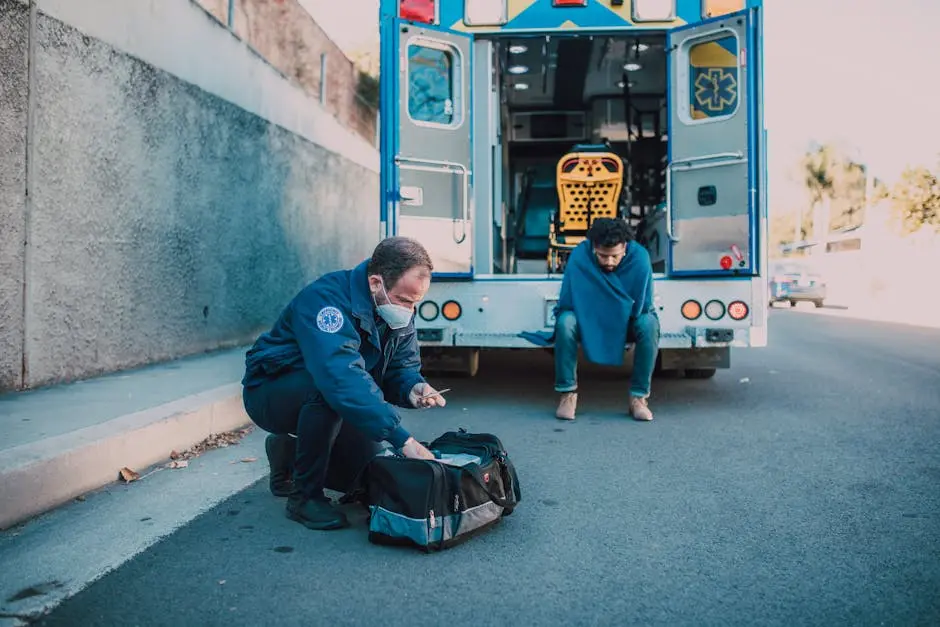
{"x": 569, "y": 3}
{"x": 424, "y": 11}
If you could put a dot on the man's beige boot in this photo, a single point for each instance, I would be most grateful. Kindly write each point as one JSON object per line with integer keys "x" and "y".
{"x": 567, "y": 406}
{"x": 639, "y": 409}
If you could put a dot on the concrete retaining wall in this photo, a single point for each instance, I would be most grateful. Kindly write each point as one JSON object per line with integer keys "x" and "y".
{"x": 178, "y": 189}
{"x": 14, "y": 94}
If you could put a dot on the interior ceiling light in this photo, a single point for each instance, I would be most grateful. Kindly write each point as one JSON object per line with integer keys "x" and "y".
{"x": 521, "y": 86}
{"x": 518, "y": 69}
{"x": 621, "y": 84}
{"x": 631, "y": 67}
{"x": 517, "y": 49}
{"x": 641, "y": 47}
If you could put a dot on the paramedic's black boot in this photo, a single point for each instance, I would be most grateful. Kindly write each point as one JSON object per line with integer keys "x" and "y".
{"x": 316, "y": 513}
{"x": 280, "y": 450}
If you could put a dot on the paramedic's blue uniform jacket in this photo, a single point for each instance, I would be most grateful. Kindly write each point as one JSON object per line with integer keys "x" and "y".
{"x": 330, "y": 328}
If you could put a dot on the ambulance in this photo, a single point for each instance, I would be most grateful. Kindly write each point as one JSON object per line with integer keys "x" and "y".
{"x": 508, "y": 126}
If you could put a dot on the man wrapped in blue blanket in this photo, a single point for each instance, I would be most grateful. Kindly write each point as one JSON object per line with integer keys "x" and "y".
{"x": 606, "y": 300}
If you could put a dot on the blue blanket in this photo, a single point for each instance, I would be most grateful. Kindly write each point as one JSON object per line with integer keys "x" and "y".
{"x": 602, "y": 302}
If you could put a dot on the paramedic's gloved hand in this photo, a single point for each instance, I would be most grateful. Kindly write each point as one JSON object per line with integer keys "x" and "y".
{"x": 415, "y": 450}
{"x": 423, "y": 389}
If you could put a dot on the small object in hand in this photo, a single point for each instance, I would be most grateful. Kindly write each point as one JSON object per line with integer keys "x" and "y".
{"x": 420, "y": 398}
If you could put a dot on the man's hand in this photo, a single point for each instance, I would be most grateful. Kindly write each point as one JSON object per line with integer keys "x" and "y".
{"x": 415, "y": 450}
{"x": 423, "y": 389}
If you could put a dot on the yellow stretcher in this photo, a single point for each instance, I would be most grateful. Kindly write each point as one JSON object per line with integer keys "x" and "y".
{"x": 589, "y": 186}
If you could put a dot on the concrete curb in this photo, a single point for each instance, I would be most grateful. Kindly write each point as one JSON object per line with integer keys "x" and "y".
{"x": 37, "y": 477}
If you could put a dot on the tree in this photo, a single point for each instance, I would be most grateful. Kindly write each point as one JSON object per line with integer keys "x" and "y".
{"x": 849, "y": 195}
{"x": 819, "y": 167}
{"x": 915, "y": 199}
{"x": 831, "y": 176}
{"x": 367, "y": 89}
{"x": 781, "y": 230}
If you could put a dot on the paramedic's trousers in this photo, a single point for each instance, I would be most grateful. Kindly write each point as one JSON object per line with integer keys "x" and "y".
{"x": 643, "y": 331}
{"x": 330, "y": 451}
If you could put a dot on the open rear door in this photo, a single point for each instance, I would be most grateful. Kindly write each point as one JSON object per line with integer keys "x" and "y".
{"x": 712, "y": 177}
{"x": 428, "y": 163}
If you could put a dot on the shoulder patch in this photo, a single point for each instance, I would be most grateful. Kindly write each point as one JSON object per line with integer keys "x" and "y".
{"x": 330, "y": 320}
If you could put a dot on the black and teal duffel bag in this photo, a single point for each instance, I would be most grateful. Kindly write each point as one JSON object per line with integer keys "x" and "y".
{"x": 435, "y": 504}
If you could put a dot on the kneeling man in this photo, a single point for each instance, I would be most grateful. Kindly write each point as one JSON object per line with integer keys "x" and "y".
{"x": 339, "y": 359}
{"x": 606, "y": 300}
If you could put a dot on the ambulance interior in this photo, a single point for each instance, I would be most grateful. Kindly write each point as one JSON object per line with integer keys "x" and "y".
{"x": 557, "y": 93}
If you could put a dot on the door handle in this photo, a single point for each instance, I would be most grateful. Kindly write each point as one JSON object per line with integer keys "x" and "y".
{"x": 447, "y": 167}
{"x": 708, "y": 161}
{"x": 668, "y": 210}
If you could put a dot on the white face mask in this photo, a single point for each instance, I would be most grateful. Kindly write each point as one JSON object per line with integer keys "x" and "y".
{"x": 396, "y": 316}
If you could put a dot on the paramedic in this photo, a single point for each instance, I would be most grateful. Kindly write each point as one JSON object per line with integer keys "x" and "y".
{"x": 340, "y": 357}
{"x": 606, "y": 300}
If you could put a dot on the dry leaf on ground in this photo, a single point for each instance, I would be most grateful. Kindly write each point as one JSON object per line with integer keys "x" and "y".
{"x": 248, "y": 460}
{"x": 129, "y": 475}
{"x": 214, "y": 441}
{"x": 178, "y": 463}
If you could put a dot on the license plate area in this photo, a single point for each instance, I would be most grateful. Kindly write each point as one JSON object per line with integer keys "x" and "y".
{"x": 719, "y": 335}
{"x": 430, "y": 335}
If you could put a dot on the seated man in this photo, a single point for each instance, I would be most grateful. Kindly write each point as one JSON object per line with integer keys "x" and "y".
{"x": 606, "y": 300}
{"x": 342, "y": 352}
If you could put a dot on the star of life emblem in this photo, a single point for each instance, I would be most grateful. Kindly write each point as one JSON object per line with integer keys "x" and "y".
{"x": 330, "y": 320}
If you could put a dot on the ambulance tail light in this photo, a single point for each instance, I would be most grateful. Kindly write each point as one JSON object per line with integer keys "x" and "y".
{"x": 714, "y": 309}
{"x": 424, "y": 11}
{"x": 691, "y": 309}
{"x": 738, "y": 310}
{"x": 485, "y": 12}
{"x": 654, "y": 10}
{"x": 569, "y": 3}
{"x": 451, "y": 310}
{"x": 428, "y": 310}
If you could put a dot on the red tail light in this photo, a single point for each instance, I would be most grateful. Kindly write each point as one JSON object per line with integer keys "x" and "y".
{"x": 424, "y": 11}
{"x": 737, "y": 310}
{"x": 569, "y": 3}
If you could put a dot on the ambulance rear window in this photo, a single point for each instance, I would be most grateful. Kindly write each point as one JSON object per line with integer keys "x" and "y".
{"x": 431, "y": 85}
{"x": 714, "y": 78}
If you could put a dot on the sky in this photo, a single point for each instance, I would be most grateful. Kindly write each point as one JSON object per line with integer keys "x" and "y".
{"x": 856, "y": 72}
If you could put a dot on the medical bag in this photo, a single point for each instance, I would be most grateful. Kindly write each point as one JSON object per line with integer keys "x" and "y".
{"x": 436, "y": 504}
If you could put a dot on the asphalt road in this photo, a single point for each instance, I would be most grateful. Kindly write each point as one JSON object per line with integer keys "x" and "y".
{"x": 799, "y": 487}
